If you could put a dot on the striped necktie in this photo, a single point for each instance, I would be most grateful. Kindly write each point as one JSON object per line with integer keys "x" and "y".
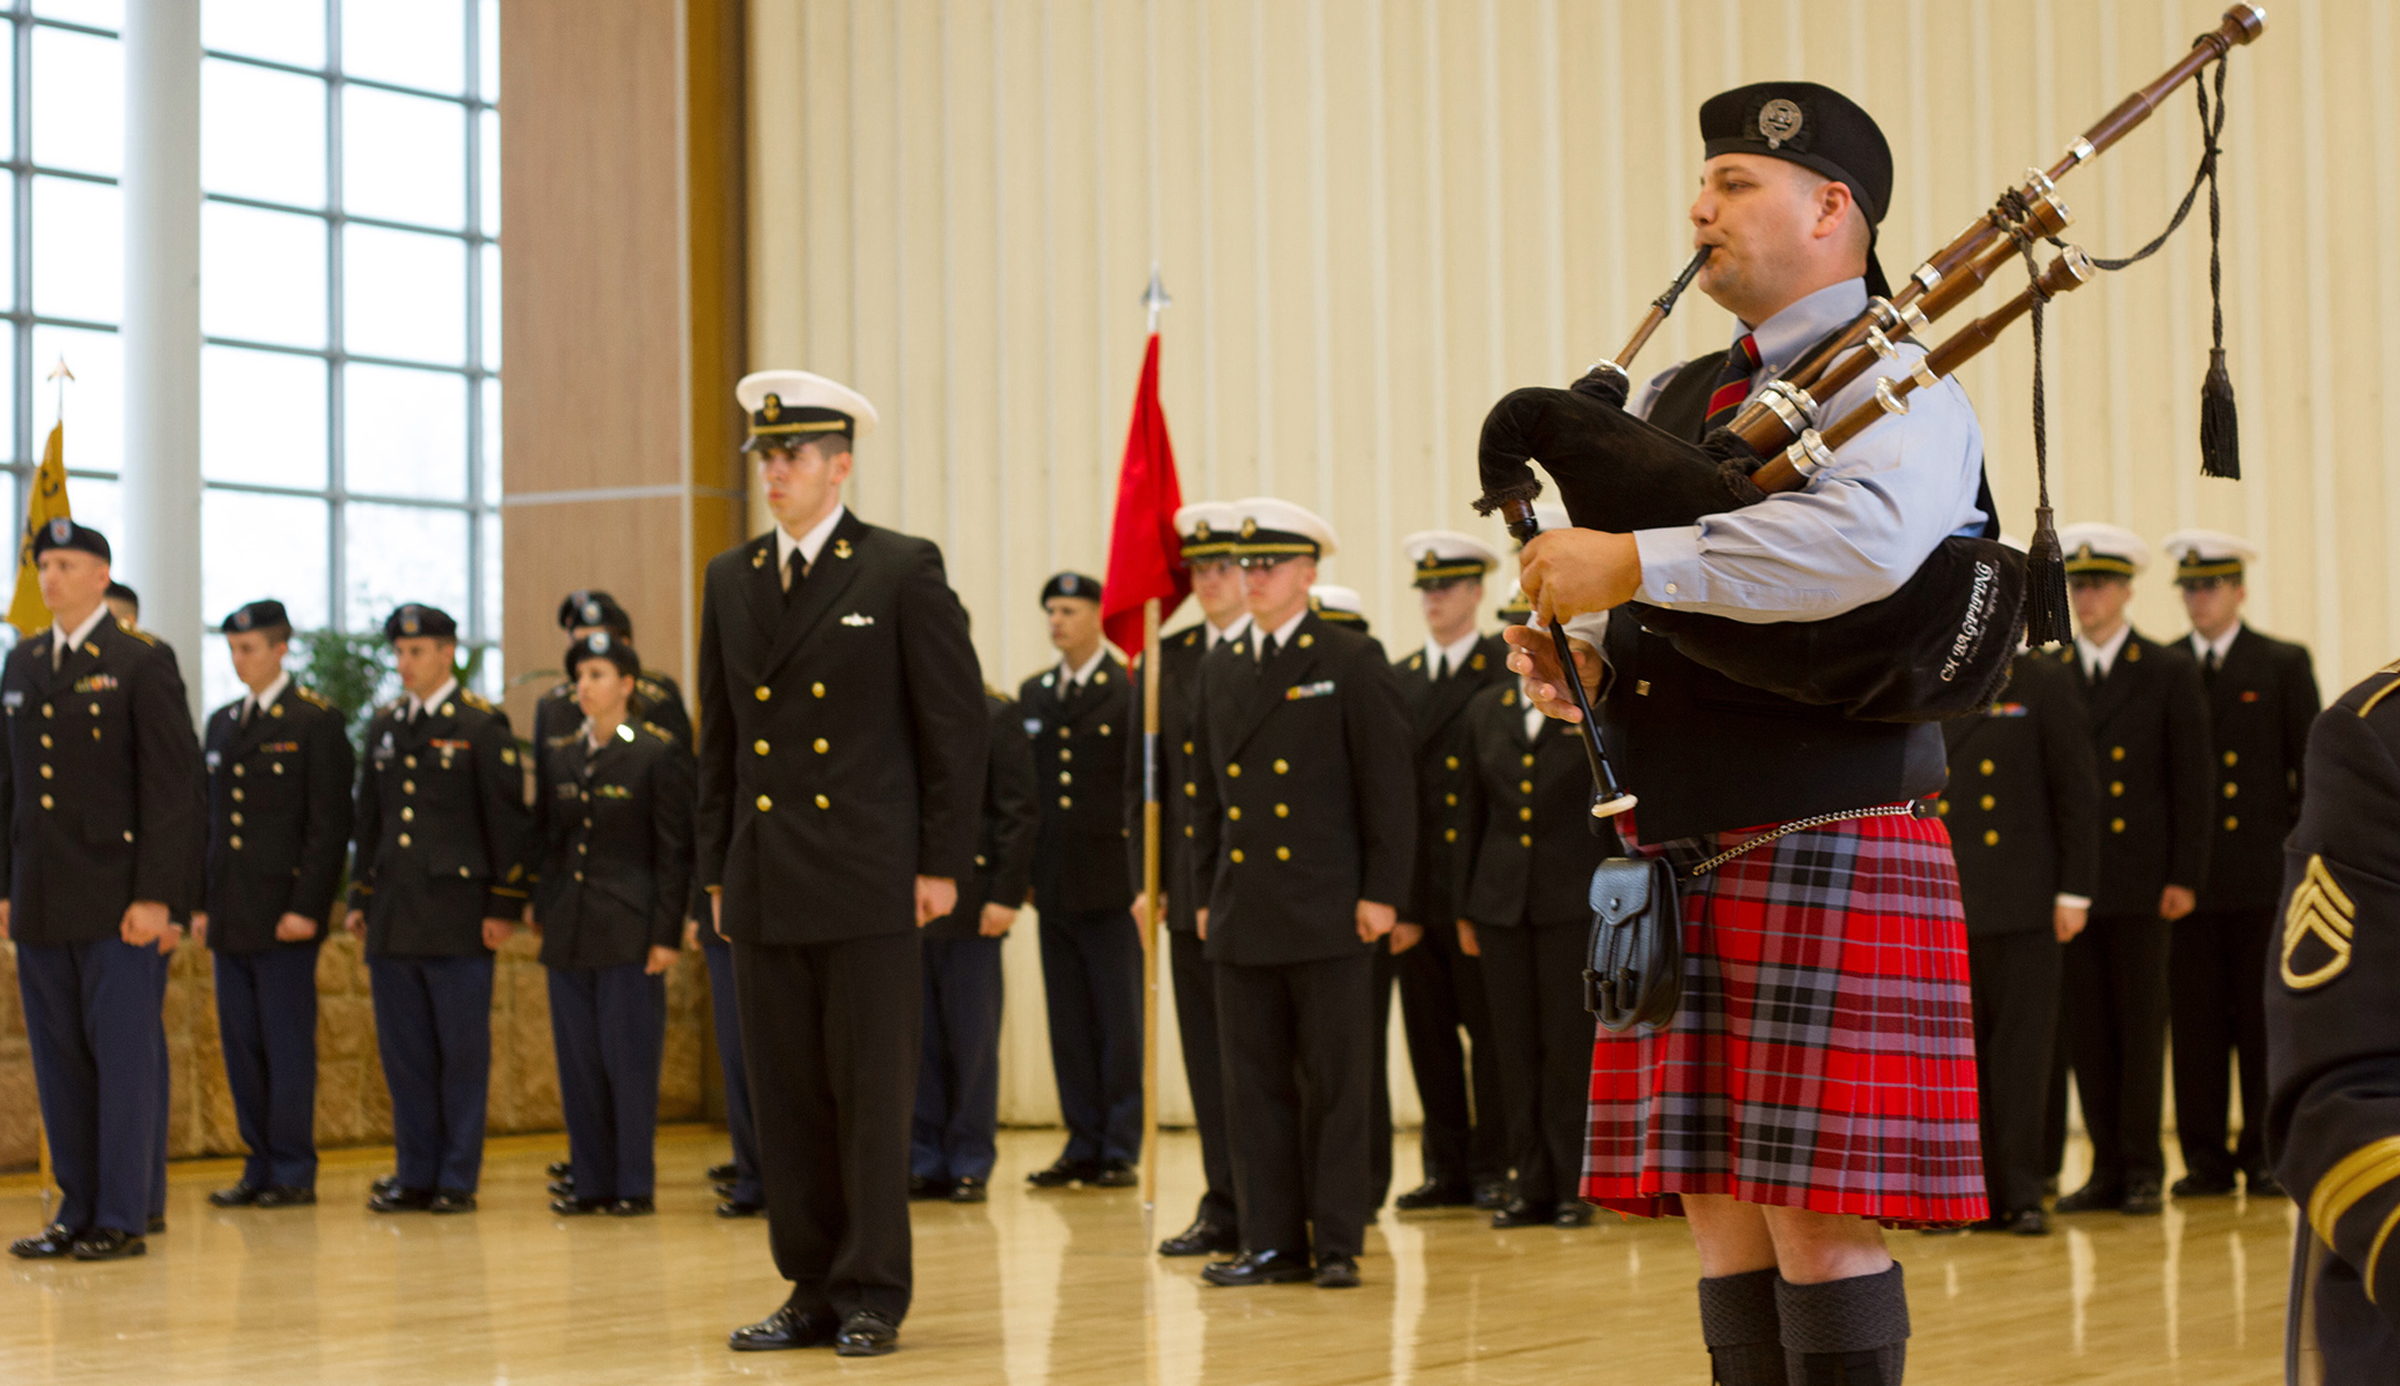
{"x": 1733, "y": 383}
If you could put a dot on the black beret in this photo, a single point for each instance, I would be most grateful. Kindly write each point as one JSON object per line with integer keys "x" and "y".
{"x": 123, "y": 593}
{"x": 602, "y": 645}
{"x": 63, "y": 533}
{"x": 1071, "y": 584}
{"x": 594, "y": 608}
{"x": 259, "y": 615}
{"x": 416, "y": 619}
{"x": 1815, "y": 127}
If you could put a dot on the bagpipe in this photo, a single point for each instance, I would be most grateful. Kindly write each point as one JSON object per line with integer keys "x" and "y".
{"x": 1941, "y": 644}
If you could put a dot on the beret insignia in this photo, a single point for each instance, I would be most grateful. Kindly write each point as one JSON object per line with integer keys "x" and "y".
{"x": 1779, "y": 120}
{"x": 61, "y": 530}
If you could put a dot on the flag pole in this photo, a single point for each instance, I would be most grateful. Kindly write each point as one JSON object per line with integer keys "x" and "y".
{"x": 1155, "y": 300}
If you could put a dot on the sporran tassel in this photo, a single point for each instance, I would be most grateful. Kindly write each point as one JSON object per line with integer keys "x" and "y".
{"x": 2220, "y": 430}
{"x": 2045, "y": 585}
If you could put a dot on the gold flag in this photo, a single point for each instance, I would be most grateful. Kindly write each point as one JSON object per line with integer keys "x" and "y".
{"x": 48, "y": 501}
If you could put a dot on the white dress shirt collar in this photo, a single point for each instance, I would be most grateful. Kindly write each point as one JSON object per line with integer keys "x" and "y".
{"x": 1217, "y": 635}
{"x": 265, "y": 698}
{"x": 1457, "y": 651}
{"x": 2203, "y": 647}
{"x": 70, "y": 639}
{"x": 809, "y": 544}
{"x": 1082, "y": 676}
{"x": 2099, "y": 659}
{"x": 417, "y": 705}
{"x": 1283, "y": 634}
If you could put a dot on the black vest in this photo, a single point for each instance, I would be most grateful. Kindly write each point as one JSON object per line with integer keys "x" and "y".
{"x": 1706, "y": 754}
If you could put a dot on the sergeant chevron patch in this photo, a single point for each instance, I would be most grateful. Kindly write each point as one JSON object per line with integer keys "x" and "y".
{"x": 2322, "y": 910}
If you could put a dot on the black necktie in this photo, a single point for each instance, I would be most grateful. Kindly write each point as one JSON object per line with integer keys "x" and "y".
{"x": 1266, "y": 651}
{"x": 1733, "y": 383}
{"x": 249, "y": 710}
{"x": 794, "y": 569}
{"x": 1441, "y": 670}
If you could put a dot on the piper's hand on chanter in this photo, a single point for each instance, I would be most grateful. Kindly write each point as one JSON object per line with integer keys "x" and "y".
{"x": 1573, "y": 572}
{"x": 1532, "y": 654}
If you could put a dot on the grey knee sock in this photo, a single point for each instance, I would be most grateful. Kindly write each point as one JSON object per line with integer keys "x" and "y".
{"x": 1739, "y": 1323}
{"x": 1845, "y": 1332}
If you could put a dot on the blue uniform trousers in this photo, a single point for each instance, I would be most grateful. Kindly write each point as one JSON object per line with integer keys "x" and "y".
{"x": 433, "y": 1028}
{"x": 958, "y": 1079}
{"x": 608, "y": 1026}
{"x": 267, "y": 1026}
{"x": 727, "y": 1014}
{"x": 92, "y": 1022}
{"x": 164, "y": 1107}
{"x": 1092, "y": 977}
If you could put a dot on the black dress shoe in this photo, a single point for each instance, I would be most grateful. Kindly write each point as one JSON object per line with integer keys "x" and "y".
{"x": 1572, "y": 1215}
{"x": 452, "y": 1201}
{"x": 2197, "y": 1186}
{"x": 1337, "y": 1273}
{"x": 157, "y": 1223}
{"x": 1202, "y": 1238}
{"x": 2141, "y": 1199}
{"x": 1492, "y": 1194}
{"x": 1435, "y": 1193}
{"x": 2260, "y": 1183}
{"x": 2029, "y": 1222}
{"x": 399, "y": 1200}
{"x": 1260, "y": 1268}
{"x": 1113, "y": 1174}
{"x": 285, "y": 1196}
{"x": 1522, "y": 1212}
{"x": 579, "y": 1207}
{"x": 784, "y": 1329}
{"x": 384, "y": 1183}
{"x": 968, "y": 1189}
{"x": 921, "y": 1188}
{"x": 736, "y": 1208}
{"x": 719, "y": 1174}
{"x": 109, "y": 1244}
{"x": 562, "y": 1169}
{"x": 239, "y": 1196}
{"x": 632, "y": 1208}
{"x": 724, "y": 1190}
{"x": 1061, "y": 1172}
{"x": 2091, "y": 1198}
{"x": 866, "y": 1334}
{"x": 564, "y": 1188}
{"x": 49, "y": 1244}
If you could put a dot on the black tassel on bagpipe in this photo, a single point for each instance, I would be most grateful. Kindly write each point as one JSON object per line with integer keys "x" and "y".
{"x": 2220, "y": 427}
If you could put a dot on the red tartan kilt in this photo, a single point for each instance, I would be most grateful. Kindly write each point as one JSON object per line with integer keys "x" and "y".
{"x": 1823, "y": 1056}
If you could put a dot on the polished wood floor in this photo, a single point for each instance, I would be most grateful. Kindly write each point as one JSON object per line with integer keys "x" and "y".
{"x": 1060, "y": 1288}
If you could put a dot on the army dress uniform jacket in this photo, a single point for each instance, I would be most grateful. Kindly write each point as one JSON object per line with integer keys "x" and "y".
{"x": 615, "y": 839}
{"x": 655, "y": 700}
{"x": 1081, "y": 741}
{"x": 99, "y": 785}
{"x": 1303, "y": 800}
{"x": 2023, "y": 804}
{"x": 841, "y": 737}
{"x": 1437, "y": 721}
{"x": 2333, "y": 1042}
{"x": 1004, "y": 841}
{"x": 278, "y": 817}
{"x": 2260, "y": 704}
{"x": 2150, "y": 729}
{"x": 1527, "y": 851}
{"x": 444, "y": 838}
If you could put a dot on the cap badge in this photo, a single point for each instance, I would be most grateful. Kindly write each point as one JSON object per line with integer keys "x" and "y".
{"x": 409, "y": 624}
{"x": 61, "y": 530}
{"x": 1200, "y": 532}
{"x": 241, "y": 619}
{"x": 591, "y": 611}
{"x": 1779, "y": 120}
{"x": 773, "y": 408}
{"x": 1249, "y": 527}
{"x": 2083, "y": 554}
{"x": 1066, "y": 584}
{"x": 599, "y": 642}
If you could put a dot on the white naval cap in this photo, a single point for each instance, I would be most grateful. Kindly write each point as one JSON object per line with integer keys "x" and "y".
{"x": 1447, "y": 555}
{"x": 1208, "y": 529}
{"x": 2092, "y": 547}
{"x": 2203, "y": 554}
{"x": 798, "y": 405}
{"x": 1326, "y": 596}
{"x": 1268, "y": 527}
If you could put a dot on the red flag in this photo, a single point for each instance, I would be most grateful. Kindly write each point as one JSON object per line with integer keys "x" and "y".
{"x": 1144, "y": 551}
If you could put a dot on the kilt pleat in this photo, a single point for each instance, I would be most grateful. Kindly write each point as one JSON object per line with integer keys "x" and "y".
{"x": 1823, "y": 1055}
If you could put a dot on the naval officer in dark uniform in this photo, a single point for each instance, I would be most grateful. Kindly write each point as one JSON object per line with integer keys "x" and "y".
{"x": 1304, "y": 821}
{"x": 2149, "y": 721}
{"x": 99, "y": 791}
{"x": 439, "y": 880}
{"x": 278, "y": 837}
{"x": 2023, "y": 807}
{"x": 1082, "y": 725}
{"x": 2262, "y": 696}
{"x": 2333, "y": 1043}
{"x": 841, "y": 773}
{"x": 1465, "y": 1145}
{"x": 1207, "y": 530}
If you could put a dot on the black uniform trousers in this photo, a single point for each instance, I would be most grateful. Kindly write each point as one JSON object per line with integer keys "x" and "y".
{"x": 608, "y": 1026}
{"x": 2013, "y": 979}
{"x": 726, "y": 1015}
{"x": 92, "y": 1023}
{"x": 831, "y": 1033}
{"x": 1381, "y": 983}
{"x": 2116, "y": 997}
{"x": 958, "y": 1075}
{"x": 1092, "y": 985}
{"x": 1195, "y": 983}
{"x": 1464, "y": 1139}
{"x": 1299, "y": 1159}
{"x": 1542, "y": 1050}
{"x": 2216, "y": 990}
{"x": 433, "y": 1028}
{"x": 267, "y": 1027}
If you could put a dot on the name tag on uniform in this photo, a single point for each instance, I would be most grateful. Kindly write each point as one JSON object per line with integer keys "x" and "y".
{"x": 95, "y": 683}
{"x": 855, "y": 619}
{"x": 1298, "y": 691}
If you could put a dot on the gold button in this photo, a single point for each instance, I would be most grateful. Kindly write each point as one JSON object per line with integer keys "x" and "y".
{"x": 237, "y": 794}
{"x": 1234, "y": 812}
{"x": 237, "y": 772}
{"x": 48, "y": 711}
{"x": 408, "y": 786}
{"x": 1528, "y": 761}
{"x": 1066, "y": 801}
{"x": 1283, "y": 810}
{"x": 1524, "y": 839}
{"x": 1283, "y": 767}
{"x": 1065, "y": 755}
{"x": 766, "y": 802}
{"x": 2116, "y": 825}
{"x": 979, "y": 861}
{"x": 462, "y": 871}
{"x": 45, "y": 741}
{"x": 95, "y": 709}
{"x": 1987, "y": 767}
{"x": 583, "y": 849}
{"x": 1942, "y": 807}
{"x": 237, "y": 818}
{"x": 277, "y": 766}
{"x": 1066, "y": 733}
{"x": 759, "y": 746}
{"x": 816, "y": 690}
{"x": 1451, "y": 800}
{"x": 1525, "y": 815}
{"x": 46, "y": 772}
{"x": 1190, "y": 789}
{"x": 409, "y": 761}
{"x": 1066, "y": 777}
{"x": 1451, "y": 761}
{"x": 2116, "y": 789}
{"x": 404, "y": 839}
{"x": 822, "y": 745}
{"x": 1187, "y": 830}
{"x": 1283, "y": 854}
{"x": 237, "y": 842}
{"x": 1235, "y": 771}
{"x": 2232, "y": 789}
{"x": 1988, "y": 803}
{"x": 46, "y": 801}
{"x": 1524, "y": 786}
{"x": 1237, "y": 856}
{"x": 763, "y": 693}
{"x": 823, "y": 802}
{"x": 1991, "y": 837}
{"x": 1104, "y": 728}
{"x": 407, "y": 814}
{"x": 2116, "y": 753}
{"x": 1449, "y": 834}
{"x": 2232, "y": 823}
{"x": 2231, "y": 759}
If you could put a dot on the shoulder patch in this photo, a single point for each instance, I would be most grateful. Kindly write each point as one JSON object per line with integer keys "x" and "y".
{"x": 142, "y": 635}
{"x": 2323, "y": 912}
{"x": 474, "y": 700}
{"x": 308, "y": 695}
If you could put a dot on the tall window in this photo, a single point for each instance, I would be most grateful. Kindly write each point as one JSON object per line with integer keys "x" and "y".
{"x": 349, "y": 297}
